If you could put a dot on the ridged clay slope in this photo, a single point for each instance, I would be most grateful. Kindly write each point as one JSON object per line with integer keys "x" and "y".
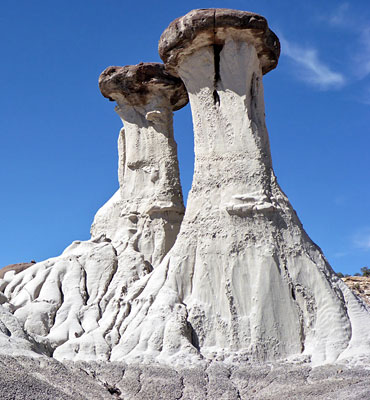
{"x": 242, "y": 281}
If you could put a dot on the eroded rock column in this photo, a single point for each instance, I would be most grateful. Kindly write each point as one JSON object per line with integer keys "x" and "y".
{"x": 149, "y": 206}
{"x": 243, "y": 280}
{"x": 74, "y": 305}
{"x": 252, "y": 287}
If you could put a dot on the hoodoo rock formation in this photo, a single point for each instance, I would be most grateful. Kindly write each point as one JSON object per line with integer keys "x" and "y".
{"x": 74, "y": 305}
{"x": 243, "y": 280}
{"x": 236, "y": 278}
{"x": 148, "y": 210}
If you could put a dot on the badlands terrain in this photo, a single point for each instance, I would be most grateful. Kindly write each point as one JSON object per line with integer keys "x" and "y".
{"x": 228, "y": 298}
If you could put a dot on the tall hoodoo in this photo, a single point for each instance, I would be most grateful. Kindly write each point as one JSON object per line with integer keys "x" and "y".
{"x": 243, "y": 280}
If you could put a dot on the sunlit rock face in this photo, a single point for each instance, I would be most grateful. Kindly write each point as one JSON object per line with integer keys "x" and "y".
{"x": 237, "y": 278}
{"x": 74, "y": 304}
{"x": 243, "y": 280}
{"x": 147, "y": 211}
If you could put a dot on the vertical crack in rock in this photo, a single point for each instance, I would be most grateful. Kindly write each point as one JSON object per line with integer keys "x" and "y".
{"x": 102, "y": 304}
{"x": 139, "y": 381}
{"x": 182, "y": 387}
{"x": 60, "y": 286}
{"x": 216, "y": 61}
{"x": 216, "y": 51}
{"x": 193, "y": 336}
{"x": 83, "y": 285}
{"x": 206, "y": 386}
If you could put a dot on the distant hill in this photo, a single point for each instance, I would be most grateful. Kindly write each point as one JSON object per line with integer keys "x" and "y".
{"x": 15, "y": 267}
{"x": 360, "y": 285}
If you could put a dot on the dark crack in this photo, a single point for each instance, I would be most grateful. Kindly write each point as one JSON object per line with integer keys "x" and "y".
{"x": 139, "y": 381}
{"x": 182, "y": 388}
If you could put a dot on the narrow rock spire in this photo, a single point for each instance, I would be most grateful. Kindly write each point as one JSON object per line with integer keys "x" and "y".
{"x": 149, "y": 208}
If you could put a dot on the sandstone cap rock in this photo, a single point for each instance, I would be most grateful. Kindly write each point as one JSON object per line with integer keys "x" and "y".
{"x": 136, "y": 84}
{"x": 205, "y": 27}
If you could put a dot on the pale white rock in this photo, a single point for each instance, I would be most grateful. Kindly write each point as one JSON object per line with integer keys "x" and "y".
{"x": 243, "y": 280}
{"x": 147, "y": 211}
{"x": 74, "y": 304}
{"x": 13, "y": 338}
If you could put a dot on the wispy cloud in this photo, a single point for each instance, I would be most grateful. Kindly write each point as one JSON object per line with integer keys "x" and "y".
{"x": 362, "y": 239}
{"x": 341, "y": 254}
{"x": 339, "y": 15}
{"x": 312, "y": 69}
{"x": 357, "y": 26}
{"x": 363, "y": 54}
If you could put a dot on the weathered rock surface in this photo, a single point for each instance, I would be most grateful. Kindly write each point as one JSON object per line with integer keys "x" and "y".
{"x": 24, "y": 378}
{"x": 14, "y": 340}
{"x": 148, "y": 211}
{"x": 75, "y": 305}
{"x": 201, "y": 306}
{"x": 243, "y": 280}
{"x": 209, "y": 27}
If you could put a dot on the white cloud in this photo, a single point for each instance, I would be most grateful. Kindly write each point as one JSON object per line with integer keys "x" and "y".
{"x": 312, "y": 69}
{"x": 358, "y": 25}
{"x": 339, "y": 15}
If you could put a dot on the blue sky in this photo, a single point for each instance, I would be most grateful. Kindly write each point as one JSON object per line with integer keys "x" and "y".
{"x": 58, "y": 150}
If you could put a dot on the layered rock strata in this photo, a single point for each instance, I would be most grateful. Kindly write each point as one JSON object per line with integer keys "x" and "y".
{"x": 74, "y": 305}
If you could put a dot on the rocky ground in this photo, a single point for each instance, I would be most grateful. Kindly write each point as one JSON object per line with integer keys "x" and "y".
{"x": 46, "y": 378}
{"x": 360, "y": 285}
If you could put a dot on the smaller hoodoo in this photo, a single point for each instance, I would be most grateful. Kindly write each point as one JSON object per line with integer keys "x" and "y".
{"x": 74, "y": 305}
{"x": 149, "y": 208}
